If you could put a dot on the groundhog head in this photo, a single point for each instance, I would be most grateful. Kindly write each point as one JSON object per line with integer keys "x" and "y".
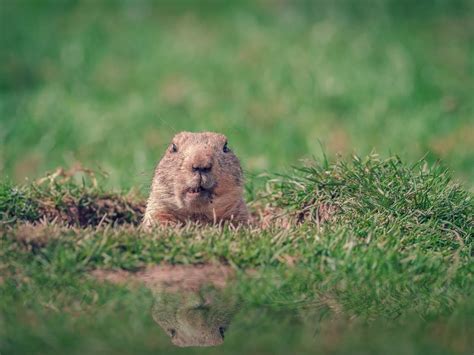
{"x": 198, "y": 178}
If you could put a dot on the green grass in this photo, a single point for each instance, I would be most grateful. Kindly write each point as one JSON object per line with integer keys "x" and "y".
{"x": 367, "y": 253}
{"x": 387, "y": 193}
{"x": 395, "y": 257}
{"x": 109, "y": 90}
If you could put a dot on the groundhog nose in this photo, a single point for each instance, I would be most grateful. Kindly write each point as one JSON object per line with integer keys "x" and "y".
{"x": 202, "y": 168}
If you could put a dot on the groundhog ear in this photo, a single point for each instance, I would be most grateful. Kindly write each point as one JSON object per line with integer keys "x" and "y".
{"x": 173, "y": 148}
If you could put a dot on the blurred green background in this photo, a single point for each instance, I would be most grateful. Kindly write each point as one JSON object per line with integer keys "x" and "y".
{"x": 107, "y": 83}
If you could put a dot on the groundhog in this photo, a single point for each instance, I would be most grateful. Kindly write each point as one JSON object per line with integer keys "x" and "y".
{"x": 198, "y": 179}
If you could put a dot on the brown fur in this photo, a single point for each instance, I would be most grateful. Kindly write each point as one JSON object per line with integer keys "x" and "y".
{"x": 197, "y": 161}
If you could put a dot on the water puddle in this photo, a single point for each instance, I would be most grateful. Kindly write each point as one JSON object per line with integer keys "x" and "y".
{"x": 210, "y": 306}
{"x": 189, "y": 304}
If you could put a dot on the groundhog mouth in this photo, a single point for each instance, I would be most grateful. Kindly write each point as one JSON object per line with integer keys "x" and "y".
{"x": 199, "y": 191}
{"x": 195, "y": 190}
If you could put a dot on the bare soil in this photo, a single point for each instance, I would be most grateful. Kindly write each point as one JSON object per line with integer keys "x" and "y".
{"x": 171, "y": 278}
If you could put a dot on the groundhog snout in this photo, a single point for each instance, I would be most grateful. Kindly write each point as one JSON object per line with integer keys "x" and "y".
{"x": 202, "y": 168}
{"x": 200, "y": 163}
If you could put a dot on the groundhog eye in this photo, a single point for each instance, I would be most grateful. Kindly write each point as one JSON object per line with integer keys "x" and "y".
{"x": 172, "y": 332}
{"x": 222, "y": 331}
{"x": 226, "y": 148}
{"x": 174, "y": 148}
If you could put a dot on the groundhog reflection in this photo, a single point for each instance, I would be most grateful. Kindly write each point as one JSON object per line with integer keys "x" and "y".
{"x": 194, "y": 318}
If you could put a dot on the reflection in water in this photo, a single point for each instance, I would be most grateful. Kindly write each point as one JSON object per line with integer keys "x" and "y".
{"x": 194, "y": 318}
{"x": 194, "y": 306}
{"x": 189, "y": 302}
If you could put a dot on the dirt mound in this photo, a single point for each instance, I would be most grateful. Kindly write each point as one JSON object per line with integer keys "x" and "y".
{"x": 93, "y": 210}
{"x": 70, "y": 197}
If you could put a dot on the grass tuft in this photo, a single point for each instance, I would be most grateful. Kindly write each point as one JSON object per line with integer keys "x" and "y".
{"x": 69, "y": 202}
{"x": 382, "y": 194}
